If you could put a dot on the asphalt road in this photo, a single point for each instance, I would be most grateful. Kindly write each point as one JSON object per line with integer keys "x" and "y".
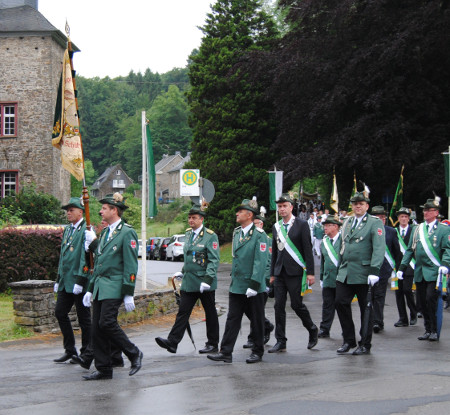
{"x": 402, "y": 375}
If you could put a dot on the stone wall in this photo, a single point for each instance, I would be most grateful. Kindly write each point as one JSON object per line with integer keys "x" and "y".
{"x": 31, "y": 68}
{"x": 34, "y": 305}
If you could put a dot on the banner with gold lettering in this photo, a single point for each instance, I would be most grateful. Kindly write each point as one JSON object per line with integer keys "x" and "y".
{"x": 66, "y": 127}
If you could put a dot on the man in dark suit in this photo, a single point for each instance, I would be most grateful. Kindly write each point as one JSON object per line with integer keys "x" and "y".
{"x": 404, "y": 291}
{"x": 292, "y": 268}
{"x": 392, "y": 257}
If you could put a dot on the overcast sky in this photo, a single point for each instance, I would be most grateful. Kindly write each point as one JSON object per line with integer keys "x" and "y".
{"x": 118, "y": 36}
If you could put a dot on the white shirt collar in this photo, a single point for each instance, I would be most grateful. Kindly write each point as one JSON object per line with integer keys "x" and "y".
{"x": 198, "y": 230}
{"x": 113, "y": 226}
{"x": 431, "y": 224}
{"x": 247, "y": 228}
{"x": 78, "y": 223}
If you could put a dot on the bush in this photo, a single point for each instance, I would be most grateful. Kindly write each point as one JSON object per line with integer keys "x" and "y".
{"x": 29, "y": 254}
{"x": 34, "y": 207}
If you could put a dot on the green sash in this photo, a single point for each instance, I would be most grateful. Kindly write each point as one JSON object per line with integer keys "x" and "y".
{"x": 331, "y": 251}
{"x": 403, "y": 248}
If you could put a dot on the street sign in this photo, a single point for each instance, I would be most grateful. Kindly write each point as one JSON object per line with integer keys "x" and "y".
{"x": 208, "y": 192}
{"x": 189, "y": 182}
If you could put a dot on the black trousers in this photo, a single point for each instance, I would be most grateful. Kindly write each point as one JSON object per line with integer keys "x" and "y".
{"x": 106, "y": 331}
{"x": 428, "y": 299}
{"x": 379, "y": 298}
{"x": 268, "y": 327}
{"x": 64, "y": 304}
{"x": 344, "y": 296}
{"x": 187, "y": 303}
{"x": 328, "y": 308}
{"x": 403, "y": 293}
{"x": 282, "y": 285}
{"x": 238, "y": 305}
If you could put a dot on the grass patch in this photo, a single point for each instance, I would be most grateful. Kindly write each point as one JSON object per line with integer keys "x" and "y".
{"x": 8, "y": 329}
{"x": 225, "y": 253}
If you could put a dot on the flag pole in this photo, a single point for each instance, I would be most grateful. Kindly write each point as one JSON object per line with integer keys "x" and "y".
{"x": 144, "y": 203}
{"x": 85, "y": 191}
{"x": 276, "y": 209}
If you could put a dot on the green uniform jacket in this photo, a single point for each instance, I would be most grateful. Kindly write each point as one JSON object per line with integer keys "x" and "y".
{"x": 201, "y": 260}
{"x": 318, "y": 231}
{"x": 425, "y": 269}
{"x": 328, "y": 271}
{"x": 73, "y": 268}
{"x": 250, "y": 258}
{"x": 116, "y": 263}
{"x": 362, "y": 251}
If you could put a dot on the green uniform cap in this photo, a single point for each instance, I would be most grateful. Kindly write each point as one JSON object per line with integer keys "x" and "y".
{"x": 197, "y": 210}
{"x": 359, "y": 197}
{"x": 403, "y": 211}
{"x": 378, "y": 210}
{"x": 432, "y": 204}
{"x": 333, "y": 219}
{"x": 285, "y": 198}
{"x": 74, "y": 202}
{"x": 247, "y": 204}
{"x": 115, "y": 200}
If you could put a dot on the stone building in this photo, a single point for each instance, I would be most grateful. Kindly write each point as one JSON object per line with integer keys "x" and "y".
{"x": 167, "y": 176}
{"x": 114, "y": 179}
{"x": 31, "y": 54}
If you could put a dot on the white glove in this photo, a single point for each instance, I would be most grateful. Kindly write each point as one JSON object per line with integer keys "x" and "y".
{"x": 400, "y": 275}
{"x": 128, "y": 300}
{"x": 267, "y": 290}
{"x": 179, "y": 275}
{"x": 204, "y": 287}
{"x": 77, "y": 289}
{"x": 89, "y": 236}
{"x": 443, "y": 270}
{"x": 87, "y": 299}
{"x": 321, "y": 284}
{"x": 372, "y": 280}
{"x": 250, "y": 293}
{"x": 55, "y": 287}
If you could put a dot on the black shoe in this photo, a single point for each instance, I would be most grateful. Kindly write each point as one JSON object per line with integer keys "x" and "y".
{"x": 433, "y": 337}
{"x": 345, "y": 348}
{"x": 424, "y": 336}
{"x": 118, "y": 363}
{"x": 399, "y": 323}
{"x": 323, "y": 334}
{"x": 164, "y": 343}
{"x": 377, "y": 328}
{"x": 413, "y": 321}
{"x": 249, "y": 345}
{"x": 279, "y": 347}
{"x": 254, "y": 358}
{"x": 267, "y": 333}
{"x": 361, "y": 350}
{"x": 419, "y": 315}
{"x": 220, "y": 357}
{"x": 98, "y": 376}
{"x": 136, "y": 363}
{"x": 64, "y": 358}
{"x": 208, "y": 349}
{"x": 84, "y": 363}
{"x": 313, "y": 334}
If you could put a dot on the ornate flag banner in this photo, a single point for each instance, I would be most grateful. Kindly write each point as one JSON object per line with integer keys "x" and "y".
{"x": 66, "y": 127}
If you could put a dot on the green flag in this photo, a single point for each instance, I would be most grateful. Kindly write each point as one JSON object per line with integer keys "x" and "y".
{"x": 275, "y": 187}
{"x": 447, "y": 173}
{"x": 398, "y": 198}
{"x": 152, "y": 209}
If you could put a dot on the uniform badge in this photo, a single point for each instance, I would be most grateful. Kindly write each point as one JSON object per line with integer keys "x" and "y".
{"x": 71, "y": 249}
{"x": 133, "y": 244}
{"x": 262, "y": 247}
{"x": 270, "y": 250}
{"x": 214, "y": 245}
{"x": 85, "y": 269}
{"x": 132, "y": 277}
{"x": 114, "y": 247}
{"x": 380, "y": 232}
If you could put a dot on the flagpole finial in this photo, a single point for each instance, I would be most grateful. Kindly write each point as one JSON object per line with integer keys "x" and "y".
{"x": 67, "y": 29}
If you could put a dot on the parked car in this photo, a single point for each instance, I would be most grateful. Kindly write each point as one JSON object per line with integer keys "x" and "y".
{"x": 151, "y": 245}
{"x": 175, "y": 247}
{"x": 140, "y": 248}
{"x": 162, "y": 249}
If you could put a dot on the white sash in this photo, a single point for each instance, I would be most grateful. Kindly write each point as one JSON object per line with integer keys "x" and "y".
{"x": 427, "y": 245}
{"x": 287, "y": 246}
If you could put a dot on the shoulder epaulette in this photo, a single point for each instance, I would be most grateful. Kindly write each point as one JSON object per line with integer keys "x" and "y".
{"x": 239, "y": 227}
{"x": 209, "y": 231}
{"x": 260, "y": 230}
{"x": 188, "y": 229}
{"x": 127, "y": 224}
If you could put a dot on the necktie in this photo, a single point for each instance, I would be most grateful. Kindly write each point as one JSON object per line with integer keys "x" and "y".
{"x": 428, "y": 228}
{"x": 354, "y": 224}
{"x": 106, "y": 236}
{"x": 403, "y": 233}
{"x": 241, "y": 236}
{"x": 286, "y": 226}
{"x": 193, "y": 236}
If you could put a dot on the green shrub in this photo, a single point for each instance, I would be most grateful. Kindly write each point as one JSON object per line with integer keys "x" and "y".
{"x": 29, "y": 254}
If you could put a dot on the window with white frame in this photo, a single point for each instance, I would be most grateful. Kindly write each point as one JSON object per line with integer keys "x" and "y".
{"x": 8, "y": 183}
{"x": 8, "y": 119}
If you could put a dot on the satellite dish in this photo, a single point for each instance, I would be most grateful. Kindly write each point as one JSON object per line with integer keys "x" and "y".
{"x": 207, "y": 190}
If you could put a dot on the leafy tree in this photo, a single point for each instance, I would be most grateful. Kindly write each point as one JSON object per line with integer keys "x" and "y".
{"x": 363, "y": 86}
{"x": 76, "y": 187}
{"x": 232, "y": 123}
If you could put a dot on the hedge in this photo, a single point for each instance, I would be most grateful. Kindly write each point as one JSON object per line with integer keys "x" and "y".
{"x": 28, "y": 254}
